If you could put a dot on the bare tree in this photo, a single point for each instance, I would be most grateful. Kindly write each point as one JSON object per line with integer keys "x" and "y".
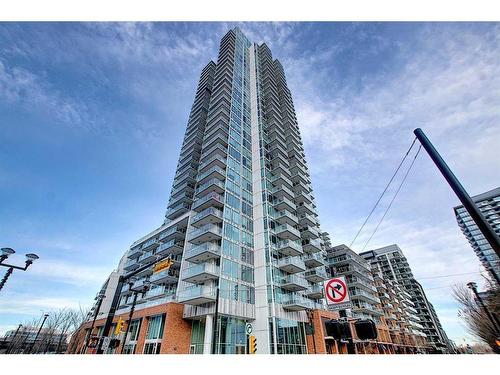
{"x": 476, "y": 320}
{"x": 54, "y": 338}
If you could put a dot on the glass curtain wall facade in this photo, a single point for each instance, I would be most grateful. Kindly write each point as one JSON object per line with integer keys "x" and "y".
{"x": 241, "y": 224}
{"x": 489, "y": 206}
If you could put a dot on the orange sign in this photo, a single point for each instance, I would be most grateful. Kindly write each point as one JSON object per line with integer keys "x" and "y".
{"x": 165, "y": 265}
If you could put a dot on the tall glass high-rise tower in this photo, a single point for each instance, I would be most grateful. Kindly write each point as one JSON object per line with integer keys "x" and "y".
{"x": 241, "y": 224}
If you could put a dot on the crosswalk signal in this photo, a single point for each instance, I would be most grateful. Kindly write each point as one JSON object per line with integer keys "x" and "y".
{"x": 253, "y": 344}
{"x": 119, "y": 326}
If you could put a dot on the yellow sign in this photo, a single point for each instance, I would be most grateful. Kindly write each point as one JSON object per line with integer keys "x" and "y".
{"x": 165, "y": 265}
{"x": 119, "y": 326}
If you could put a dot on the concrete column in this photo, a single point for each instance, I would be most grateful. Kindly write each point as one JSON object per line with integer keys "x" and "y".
{"x": 209, "y": 329}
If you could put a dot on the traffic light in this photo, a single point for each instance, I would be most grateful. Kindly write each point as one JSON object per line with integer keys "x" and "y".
{"x": 366, "y": 329}
{"x": 339, "y": 330}
{"x": 119, "y": 326}
{"x": 114, "y": 343}
{"x": 253, "y": 345}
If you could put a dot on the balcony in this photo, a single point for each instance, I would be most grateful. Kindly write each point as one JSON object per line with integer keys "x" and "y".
{"x": 296, "y": 302}
{"x": 287, "y": 232}
{"x": 197, "y": 295}
{"x": 178, "y": 210}
{"x": 213, "y": 185}
{"x": 293, "y": 283}
{"x": 285, "y": 217}
{"x": 173, "y": 247}
{"x": 214, "y": 172}
{"x": 203, "y": 252}
{"x": 147, "y": 257}
{"x": 206, "y": 233}
{"x": 304, "y": 197}
{"x": 291, "y": 265}
{"x": 135, "y": 252}
{"x": 316, "y": 275}
{"x": 215, "y": 150}
{"x": 209, "y": 200}
{"x": 315, "y": 291}
{"x": 282, "y": 191}
{"x": 175, "y": 232}
{"x": 200, "y": 273}
{"x": 309, "y": 232}
{"x": 289, "y": 248}
{"x": 311, "y": 246}
{"x": 313, "y": 260}
{"x": 215, "y": 160}
{"x": 284, "y": 203}
{"x": 305, "y": 208}
{"x": 363, "y": 295}
{"x": 131, "y": 264}
{"x": 211, "y": 215}
{"x": 169, "y": 276}
{"x": 281, "y": 179}
{"x": 307, "y": 220}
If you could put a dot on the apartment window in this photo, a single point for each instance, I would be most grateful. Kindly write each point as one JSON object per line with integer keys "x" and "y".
{"x": 131, "y": 342}
{"x": 154, "y": 334}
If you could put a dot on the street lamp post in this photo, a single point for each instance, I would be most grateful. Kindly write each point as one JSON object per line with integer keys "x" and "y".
{"x": 45, "y": 316}
{"x": 5, "y": 252}
{"x": 493, "y": 319}
{"x": 13, "y": 339}
{"x": 145, "y": 287}
{"x": 99, "y": 299}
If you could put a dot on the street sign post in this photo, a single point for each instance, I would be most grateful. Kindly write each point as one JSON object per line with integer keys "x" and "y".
{"x": 248, "y": 329}
{"x": 337, "y": 293}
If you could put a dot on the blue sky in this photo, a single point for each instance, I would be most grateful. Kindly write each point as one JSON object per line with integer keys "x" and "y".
{"x": 92, "y": 117}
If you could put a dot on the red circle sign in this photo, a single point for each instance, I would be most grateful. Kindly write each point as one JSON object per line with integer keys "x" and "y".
{"x": 336, "y": 290}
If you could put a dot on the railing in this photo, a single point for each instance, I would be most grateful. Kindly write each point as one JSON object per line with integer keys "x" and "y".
{"x": 314, "y": 256}
{"x": 206, "y": 198}
{"x": 212, "y": 159}
{"x": 207, "y": 246}
{"x": 204, "y": 229}
{"x": 286, "y": 201}
{"x": 286, "y": 227}
{"x": 289, "y": 243}
{"x": 211, "y": 170}
{"x": 212, "y": 181}
{"x": 206, "y": 212}
{"x": 197, "y": 291}
{"x": 293, "y": 261}
{"x": 294, "y": 279}
{"x": 316, "y": 272}
{"x": 199, "y": 269}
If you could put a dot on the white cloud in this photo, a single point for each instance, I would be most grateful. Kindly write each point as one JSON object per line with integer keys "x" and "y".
{"x": 72, "y": 273}
{"x": 18, "y": 85}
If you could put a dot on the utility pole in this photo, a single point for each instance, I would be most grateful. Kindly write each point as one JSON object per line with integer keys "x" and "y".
{"x": 459, "y": 190}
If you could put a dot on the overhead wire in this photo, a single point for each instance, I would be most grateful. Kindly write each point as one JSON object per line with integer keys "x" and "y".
{"x": 394, "y": 197}
{"x": 383, "y": 192}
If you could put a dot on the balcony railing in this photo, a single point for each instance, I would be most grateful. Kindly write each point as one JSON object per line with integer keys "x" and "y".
{"x": 201, "y": 272}
{"x": 203, "y": 252}
{"x": 197, "y": 295}
{"x": 211, "y": 231}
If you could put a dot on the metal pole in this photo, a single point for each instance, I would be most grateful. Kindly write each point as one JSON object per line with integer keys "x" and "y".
{"x": 216, "y": 318}
{"x": 134, "y": 301}
{"x": 98, "y": 307}
{"x": 13, "y": 338}
{"x": 111, "y": 314}
{"x": 493, "y": 320}
{"x": 459, "y": 190}
{"x": 38, "y": 333}
{"x": 116, "y": 298}
{"x": 6, "y": 277}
